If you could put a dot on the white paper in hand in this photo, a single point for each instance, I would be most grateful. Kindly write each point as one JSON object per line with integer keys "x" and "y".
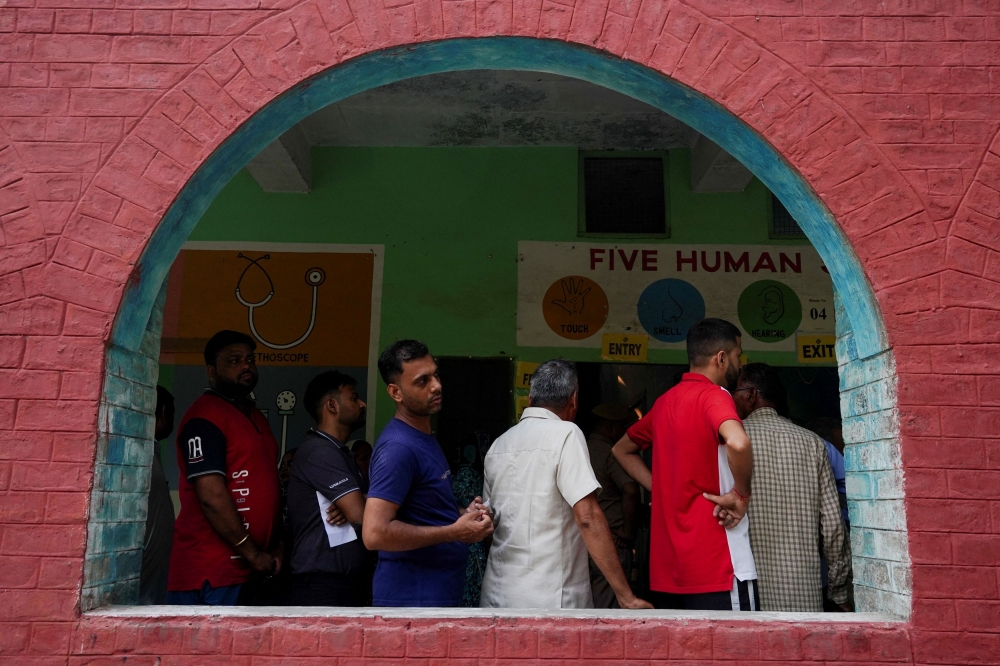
{"x": 337, "y": 534}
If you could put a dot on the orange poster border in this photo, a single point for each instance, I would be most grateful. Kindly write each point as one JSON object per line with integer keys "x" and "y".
{"x": 376, "y": 305}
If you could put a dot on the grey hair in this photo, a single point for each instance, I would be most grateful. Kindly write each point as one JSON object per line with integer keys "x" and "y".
{"x": 553, "y": 384}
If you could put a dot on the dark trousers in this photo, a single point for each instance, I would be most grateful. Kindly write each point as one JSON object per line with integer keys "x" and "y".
{"x": 328, "y": 589}
{"x": 743, "y": 597}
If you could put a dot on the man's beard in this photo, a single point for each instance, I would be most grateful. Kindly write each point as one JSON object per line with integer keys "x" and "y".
{"x": 234, "y": 389}
{"x": 359, "y": 422}
{"x": 422, "y": 408}
{"x": 732, "y": 378}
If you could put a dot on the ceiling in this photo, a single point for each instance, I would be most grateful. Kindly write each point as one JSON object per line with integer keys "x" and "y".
{"x": 496, "y": 108}
{"x": 491, "y": 108}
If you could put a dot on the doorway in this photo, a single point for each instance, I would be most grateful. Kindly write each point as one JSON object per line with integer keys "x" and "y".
{"x": 478, "y": 404}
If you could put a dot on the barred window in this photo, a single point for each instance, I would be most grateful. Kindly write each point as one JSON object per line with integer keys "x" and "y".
{"x": 783, "y": 225}
{"x": 624, "y": 195}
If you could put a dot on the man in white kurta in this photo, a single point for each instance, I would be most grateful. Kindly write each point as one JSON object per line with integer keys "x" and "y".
{"x": 535, "y": 473}
{"x": 539, "y": 483}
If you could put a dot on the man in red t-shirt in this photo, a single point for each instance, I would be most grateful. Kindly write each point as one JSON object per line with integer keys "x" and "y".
{"x": 227, "y": 530}
{"x": 700, "y": 556}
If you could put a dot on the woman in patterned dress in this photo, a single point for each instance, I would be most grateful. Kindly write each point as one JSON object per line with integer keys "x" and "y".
{"x": 467, "y": 484}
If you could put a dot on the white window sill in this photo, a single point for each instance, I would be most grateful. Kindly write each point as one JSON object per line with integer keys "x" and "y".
{"x": 280, "y": 612}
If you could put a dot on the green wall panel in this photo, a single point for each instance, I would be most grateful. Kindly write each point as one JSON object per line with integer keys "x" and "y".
{"x": 450, "y": 219}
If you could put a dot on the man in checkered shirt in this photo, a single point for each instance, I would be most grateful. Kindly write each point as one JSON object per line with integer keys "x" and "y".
{"x": 794, "y": 502}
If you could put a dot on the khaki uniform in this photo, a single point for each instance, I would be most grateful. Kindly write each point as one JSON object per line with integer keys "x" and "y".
{"x": 612, "y": 479}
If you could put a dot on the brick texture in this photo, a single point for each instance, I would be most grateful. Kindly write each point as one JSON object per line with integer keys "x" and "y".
{"x": 888, "y": 109}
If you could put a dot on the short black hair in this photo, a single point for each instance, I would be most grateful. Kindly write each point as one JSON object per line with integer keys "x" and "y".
{"x": 390, "y": 363}
{"x": 708, "y": 337}
{"x": 767, "y": 381}
{"x": 164, "y": 399}
{"x": 321, "y": 386}
{"x": 223, "y": 339}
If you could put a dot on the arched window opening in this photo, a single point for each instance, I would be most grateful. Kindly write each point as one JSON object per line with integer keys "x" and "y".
{"x": 717, "y": 175}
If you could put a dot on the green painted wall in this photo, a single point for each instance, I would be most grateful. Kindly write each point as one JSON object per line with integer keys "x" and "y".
{"x": 450, "y": 219}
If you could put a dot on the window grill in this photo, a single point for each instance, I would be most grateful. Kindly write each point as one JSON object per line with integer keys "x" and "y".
{"x": 783, "y": 225}
{"x": 624, "y": 195}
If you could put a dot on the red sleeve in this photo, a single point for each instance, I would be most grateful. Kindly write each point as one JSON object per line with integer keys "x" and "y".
{"x": 719, "y": 408}
{"x": 641, "y": 432}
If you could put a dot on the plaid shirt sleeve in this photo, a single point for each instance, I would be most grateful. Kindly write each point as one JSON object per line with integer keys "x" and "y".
{"x": 836, "y": 545}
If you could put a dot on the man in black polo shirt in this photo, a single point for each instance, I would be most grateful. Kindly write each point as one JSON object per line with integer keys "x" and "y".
{"x": 323, "y": 472}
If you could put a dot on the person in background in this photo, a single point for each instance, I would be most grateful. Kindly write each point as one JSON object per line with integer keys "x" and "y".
{"x": 795, "y": 502}
{"x": 362, "y": 451}
{"x": 411, "y": 516}
{"x": 321, "y": 574}
{"x": 699, "y": 449}
{"x": 619, "y": 498}
{"x": 228, "y": 533}
{"x": 544, "y": 492}
{"x": 285, "y": 470}
{"x": 467, "y": 484}
{"x": 159, "y": 512}
{"x": 832, "y": 433}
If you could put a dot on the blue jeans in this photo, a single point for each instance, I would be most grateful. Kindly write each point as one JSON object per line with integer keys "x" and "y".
{"x": 227, "y": 595}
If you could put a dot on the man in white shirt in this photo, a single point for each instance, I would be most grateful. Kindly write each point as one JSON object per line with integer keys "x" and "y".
{"x": 539, "y": 483}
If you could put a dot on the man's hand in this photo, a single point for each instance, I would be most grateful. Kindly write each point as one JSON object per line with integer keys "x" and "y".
{"x": 473, "y": 526}
{"x": 477, "y": 505}
{"x": 846, "y": 607}
{"x": 729, "y": 508}
{"x": 263, "y": 563}
{"x": 335, "y": 516}
{"x": 277, "y": 553}
{"x": 635, "y": 603}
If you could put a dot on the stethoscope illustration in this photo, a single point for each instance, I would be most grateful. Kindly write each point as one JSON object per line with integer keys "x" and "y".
{"x": 314, "y": 278}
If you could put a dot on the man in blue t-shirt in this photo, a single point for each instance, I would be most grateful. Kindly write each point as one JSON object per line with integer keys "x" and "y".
{"x": 411, "y": 516}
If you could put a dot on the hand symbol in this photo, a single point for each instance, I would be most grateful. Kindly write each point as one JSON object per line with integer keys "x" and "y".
{"x": 573, "y": 296}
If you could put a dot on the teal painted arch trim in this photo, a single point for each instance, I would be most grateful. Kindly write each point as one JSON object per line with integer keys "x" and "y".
{"x": 511, "y": 53}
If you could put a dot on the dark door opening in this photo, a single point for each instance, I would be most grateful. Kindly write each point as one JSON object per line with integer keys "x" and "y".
{"x": 478, "y": 403}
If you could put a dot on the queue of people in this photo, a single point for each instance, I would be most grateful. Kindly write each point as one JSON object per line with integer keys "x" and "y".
{"x": 741, "y": 498}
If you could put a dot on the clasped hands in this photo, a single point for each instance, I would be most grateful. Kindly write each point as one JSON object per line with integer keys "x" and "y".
{"x": 476, "y": 523}
{"x": 472, "y": 526}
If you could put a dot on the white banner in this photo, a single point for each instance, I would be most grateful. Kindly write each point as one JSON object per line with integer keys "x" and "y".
{"x": 569, "y": 294}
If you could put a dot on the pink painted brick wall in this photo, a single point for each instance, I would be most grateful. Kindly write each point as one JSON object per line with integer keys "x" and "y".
{"x": 889, "y": 109}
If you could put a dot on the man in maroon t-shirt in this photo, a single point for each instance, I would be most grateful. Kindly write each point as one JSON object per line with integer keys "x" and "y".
{"x": 227, "y": 530}
{"x": 700, "y": 557}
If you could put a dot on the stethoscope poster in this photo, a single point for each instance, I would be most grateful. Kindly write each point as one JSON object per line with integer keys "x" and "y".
{"x": 309, "y": 308}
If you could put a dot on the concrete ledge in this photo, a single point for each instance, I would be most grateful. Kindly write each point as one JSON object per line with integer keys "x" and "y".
{"x": 286, "y": 612}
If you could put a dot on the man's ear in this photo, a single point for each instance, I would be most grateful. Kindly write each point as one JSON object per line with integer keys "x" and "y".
{"x": 394, "y": 392}
{"x": 210, "y": 371}
{"x": 331, "y": 404}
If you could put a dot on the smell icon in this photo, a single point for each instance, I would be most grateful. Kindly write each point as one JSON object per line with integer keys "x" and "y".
{"x": 673, "y": 311}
